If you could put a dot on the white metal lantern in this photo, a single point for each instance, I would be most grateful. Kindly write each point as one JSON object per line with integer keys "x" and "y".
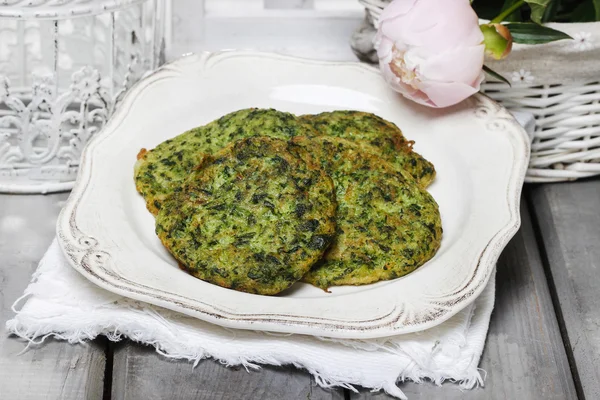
{"x": 64, "y": 67}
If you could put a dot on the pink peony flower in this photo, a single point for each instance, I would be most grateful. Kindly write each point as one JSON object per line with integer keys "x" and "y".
{"x": 431, "y": 51}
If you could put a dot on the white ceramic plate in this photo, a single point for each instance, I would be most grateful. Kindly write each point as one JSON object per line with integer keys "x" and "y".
{"x": 479, "y": 151}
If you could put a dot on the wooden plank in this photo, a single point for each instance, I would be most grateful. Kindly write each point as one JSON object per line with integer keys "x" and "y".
{"x": 55, "y": 370}
{"x": 140, "y": 373}
{"x": 524, "y": 356}
{"x": 568, "y": 215}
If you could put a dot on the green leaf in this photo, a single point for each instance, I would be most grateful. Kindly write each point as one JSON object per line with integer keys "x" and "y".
{"x": 584, "y": 12}
{"x": 530, "y": 33}
{"x": 538, "y": 8}
{"x": 508, "y": 11}
{"x": 597, "y": 8}
{"x": 496, "y": 75}
{"x": 551, "y": 11}
{"x": 515, "y": 16}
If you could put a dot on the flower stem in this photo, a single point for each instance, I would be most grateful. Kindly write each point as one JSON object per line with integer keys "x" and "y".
{"x": 507, "y": 12}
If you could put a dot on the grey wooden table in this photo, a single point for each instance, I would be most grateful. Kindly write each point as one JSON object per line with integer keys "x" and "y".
{"x": 543, "y": 343}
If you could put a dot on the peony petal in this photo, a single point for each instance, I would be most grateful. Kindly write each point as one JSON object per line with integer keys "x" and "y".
{"x": 438, "y": 25}
{"x": 479, "y": 80}
{"x": 391, "y": 78}
{"x": 441, "y": 41}
{"x": 396, "y": 84}
{"x": 462, "y": 64}
{"x": 384, "y": 49}
{"x": 447, "y": 94}
{"x": 405, "y": 90}
{"x": 395, "y": 29}
{"x": 396, "y": 8}
{"x": 420, "y": 97}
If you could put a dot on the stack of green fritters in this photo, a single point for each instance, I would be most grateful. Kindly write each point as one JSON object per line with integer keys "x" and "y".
{"x": 260, "y": 199}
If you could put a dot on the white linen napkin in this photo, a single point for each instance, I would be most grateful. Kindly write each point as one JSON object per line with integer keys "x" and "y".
{"x": 59, "y": 302}
{"x": 64, "y": 304}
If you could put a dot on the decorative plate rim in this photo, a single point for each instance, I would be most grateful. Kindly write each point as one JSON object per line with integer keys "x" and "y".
{"x": 87, "y": 256}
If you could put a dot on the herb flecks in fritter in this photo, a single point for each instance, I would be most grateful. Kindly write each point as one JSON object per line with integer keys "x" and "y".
{"x": 162, "y": 170}
{"x": 254, "y": 218}
{"x": 376, "y": 135}
{"x": 387, "y": 226}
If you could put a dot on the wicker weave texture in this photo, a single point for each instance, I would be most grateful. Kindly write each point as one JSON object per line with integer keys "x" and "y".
{"x": 566, "y": 142}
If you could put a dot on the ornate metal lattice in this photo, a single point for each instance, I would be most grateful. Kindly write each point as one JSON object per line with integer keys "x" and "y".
{"x": 64, "y": 67}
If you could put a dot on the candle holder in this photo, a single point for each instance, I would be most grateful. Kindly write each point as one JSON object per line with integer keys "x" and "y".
{"x": 64, "y": 67}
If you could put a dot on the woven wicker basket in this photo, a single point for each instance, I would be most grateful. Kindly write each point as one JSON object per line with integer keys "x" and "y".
{"x": 559, "y": 83}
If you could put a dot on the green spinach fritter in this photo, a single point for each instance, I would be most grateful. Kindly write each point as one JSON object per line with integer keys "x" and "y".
{"x": 255, "y": 217}
{"x": 161, "y": 171}
{"x": 387, "y": 225}
{"x": 370, "y": 130}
